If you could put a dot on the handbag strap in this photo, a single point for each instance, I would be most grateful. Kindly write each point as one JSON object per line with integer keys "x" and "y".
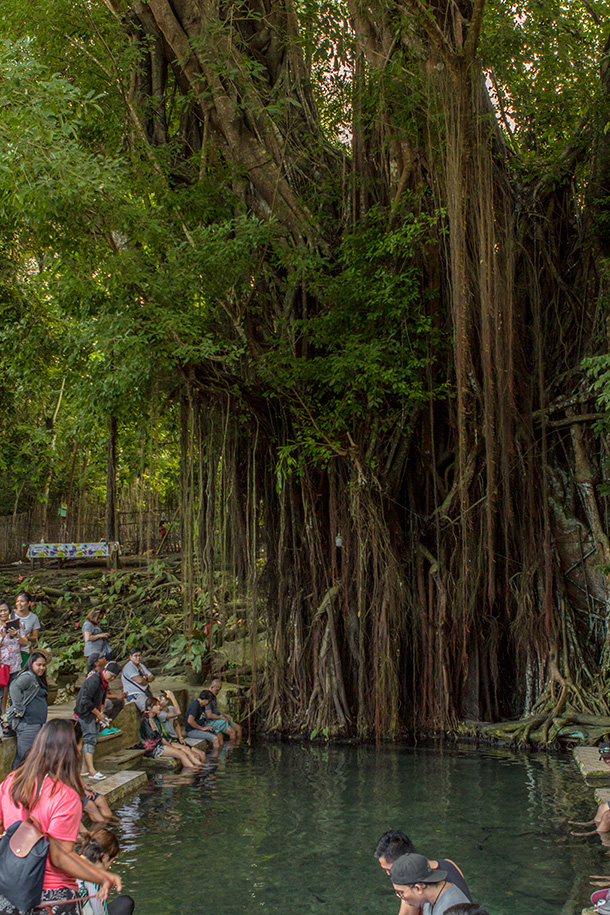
{"x": 139, "y": 686}
{"x": 77, "y": 900}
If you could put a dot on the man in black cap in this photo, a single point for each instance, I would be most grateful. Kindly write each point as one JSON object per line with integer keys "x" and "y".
{"x": 89, "y": 709}
{"x": 423, "y": 887}
{"x": 394, "y": 844}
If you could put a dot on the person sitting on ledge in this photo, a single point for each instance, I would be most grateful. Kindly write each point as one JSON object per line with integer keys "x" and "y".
{"x": 423, "y": 887}
{"x": 156, "y": 746}
{"x": 197, "y": 725}
{"x": 395, "y": 843}
{"x": 96, "y": 806}
{"x": 89, "y": 711}
{"x": 169, "y": 715}
{"x": 222, "y": 723}
{"x": 167, "y": 719}
{"x": 137, "y": 679}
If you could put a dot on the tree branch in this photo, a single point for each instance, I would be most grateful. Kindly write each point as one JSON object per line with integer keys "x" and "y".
{"x": 474, "y": 30}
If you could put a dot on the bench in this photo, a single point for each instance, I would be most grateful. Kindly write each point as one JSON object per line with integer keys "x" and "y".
{"x": 109, "y": 549}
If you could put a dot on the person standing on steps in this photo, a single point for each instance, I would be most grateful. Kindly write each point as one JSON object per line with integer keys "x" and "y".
{"x": 89, "y": 709}
{"x": 29, "y": 624}
{"x": 29, "y": 709}
{"x": 96, "y": 641}
{"x": 11, "y": 643}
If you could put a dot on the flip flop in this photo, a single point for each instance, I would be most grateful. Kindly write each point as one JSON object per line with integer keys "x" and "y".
{"x": 97, "y": 777}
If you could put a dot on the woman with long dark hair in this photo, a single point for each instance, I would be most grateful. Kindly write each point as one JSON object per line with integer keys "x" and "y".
{"x": 29, "y": 709}
{"x": 48, "y": 787}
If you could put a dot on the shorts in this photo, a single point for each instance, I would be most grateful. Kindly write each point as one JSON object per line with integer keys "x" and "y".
{"x": 157, "y": 752}
{"x": 90, "y": 734}
{"x": 219, "y": 725}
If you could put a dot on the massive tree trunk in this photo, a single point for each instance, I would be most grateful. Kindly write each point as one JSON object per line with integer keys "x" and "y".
{"x": 413, "y": 573}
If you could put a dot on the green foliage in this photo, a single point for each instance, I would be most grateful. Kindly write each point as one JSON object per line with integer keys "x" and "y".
{"x": 192, "y": 651}
{"x": 103, "y": 288}
{"x": 598, "y": 370}
{"x": 543, "y": 57}
{"x": 368, "y": 352}
{"x": 67, "y": 661}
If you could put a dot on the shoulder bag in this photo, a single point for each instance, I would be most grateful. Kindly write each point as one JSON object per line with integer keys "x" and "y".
{"x": 24, "y": 849}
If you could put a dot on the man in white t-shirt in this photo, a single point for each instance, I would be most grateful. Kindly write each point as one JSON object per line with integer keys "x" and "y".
{"x": 136, "y": 679}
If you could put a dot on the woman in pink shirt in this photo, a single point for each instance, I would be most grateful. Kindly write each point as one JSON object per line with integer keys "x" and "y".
{"x": 48, "y": 786}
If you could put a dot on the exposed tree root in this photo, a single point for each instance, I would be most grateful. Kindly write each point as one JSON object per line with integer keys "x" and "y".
{"x": 564, "y": 711}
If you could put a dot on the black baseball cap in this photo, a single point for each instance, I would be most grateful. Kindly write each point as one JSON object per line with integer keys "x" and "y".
{"x": 413, "y": 868}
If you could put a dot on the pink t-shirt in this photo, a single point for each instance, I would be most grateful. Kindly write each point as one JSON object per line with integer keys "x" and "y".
{"x": 58, "y": 811}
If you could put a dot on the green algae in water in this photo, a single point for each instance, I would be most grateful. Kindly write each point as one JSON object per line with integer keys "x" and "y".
{"x": 282, "y": 828}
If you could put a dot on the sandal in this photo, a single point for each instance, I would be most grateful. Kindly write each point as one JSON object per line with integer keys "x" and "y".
{"x": 97, "y": 777}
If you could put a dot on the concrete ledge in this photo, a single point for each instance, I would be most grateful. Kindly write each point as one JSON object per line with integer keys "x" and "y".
{"x": 589, "y": 763}
{"x": 123, "y": 759}
{"x": 117, "y": 786}
{"x": 602, "y": 794}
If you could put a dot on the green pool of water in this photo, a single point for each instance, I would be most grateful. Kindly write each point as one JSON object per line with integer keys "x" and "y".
{"x": 292, "y": 827}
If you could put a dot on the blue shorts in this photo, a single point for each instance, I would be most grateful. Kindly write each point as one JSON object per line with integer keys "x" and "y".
{"x": 219, "y": 725}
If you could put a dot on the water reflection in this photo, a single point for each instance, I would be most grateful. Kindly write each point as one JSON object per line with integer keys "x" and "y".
{"x": 293, "y": 827}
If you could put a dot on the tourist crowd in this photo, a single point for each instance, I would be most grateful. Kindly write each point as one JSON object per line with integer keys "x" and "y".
{"x": 45, "y": 804}
{"x": 45, "y": 800}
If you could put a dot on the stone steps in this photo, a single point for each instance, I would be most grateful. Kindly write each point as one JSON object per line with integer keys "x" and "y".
{"x": 590, "y": 764}
{"x": 123, "y": 759}
{"x": 118, "y": 785}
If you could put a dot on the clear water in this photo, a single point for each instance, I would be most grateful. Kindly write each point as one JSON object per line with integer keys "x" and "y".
{"x": 284, "y": 828}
